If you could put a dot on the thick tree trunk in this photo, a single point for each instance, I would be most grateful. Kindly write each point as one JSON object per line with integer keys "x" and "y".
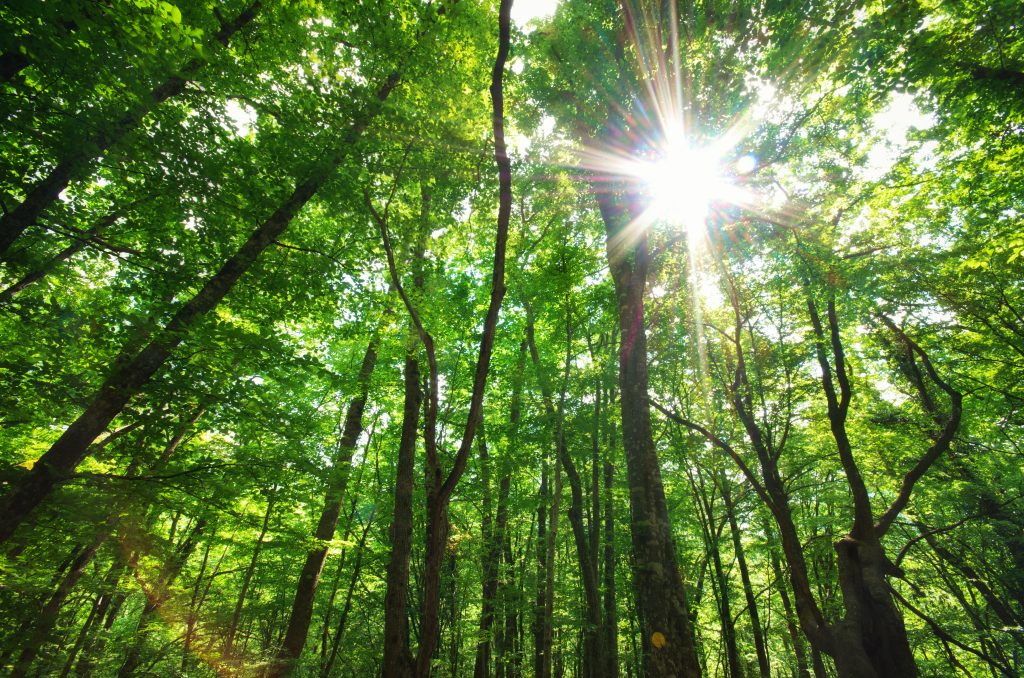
{"x": 871, "y": 640}
{"x": 133, "y": 371}
{"x": 44, "y": 193}
{"x": 669, "y": 645}
{"x": 309, "y": 576}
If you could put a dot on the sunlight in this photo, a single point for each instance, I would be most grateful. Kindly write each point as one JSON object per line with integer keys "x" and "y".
{"x": 683, "y": 183}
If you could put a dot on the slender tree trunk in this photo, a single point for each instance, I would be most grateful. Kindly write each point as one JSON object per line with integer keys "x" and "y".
{"x": 792, "y": 625}
{"x": 550, "y": 546}
{"x": 247, "y": 577}
{"x": 505, "y": 644}
{"x": 46, "y": 618}
{"x": 95, "y": 616}
{"x": 133, "y": 371}
{"x": 347, "y": 607}
{"x": 541, "y": 650}
{"x": 157, "y": 596}
{"x": 437, "y": 502}
{"x": 309, "y": 577}
{"x": 669, "y": 643}
{"x": 193, "y": 610}
{"x": 610, "y": 635}
{"x": 491, "y": 555}
{"x": 398, "y": 660}
{"x": 44, "y": 269}
{"x": 76, "y": 162}
{"x": 712, "y": 528}
{"x": 748, "y": 588}
{"x": 588, "y": 565}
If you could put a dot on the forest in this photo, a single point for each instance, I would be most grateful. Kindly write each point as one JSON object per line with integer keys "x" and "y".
{"x": 509, "y": 338}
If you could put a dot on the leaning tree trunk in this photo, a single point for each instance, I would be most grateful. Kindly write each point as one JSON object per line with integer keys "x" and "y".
{"x": 243, "y": 590}
{"x": 309, "y": 576}
{"x": 157, "y": 596}
{"x": 134, "y": 371}
{"x": 47, "y": 616}
{"x": 71, "y": 166}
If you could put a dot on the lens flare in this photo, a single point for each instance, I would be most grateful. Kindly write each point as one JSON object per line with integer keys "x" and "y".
{"x": 682, "y": 184}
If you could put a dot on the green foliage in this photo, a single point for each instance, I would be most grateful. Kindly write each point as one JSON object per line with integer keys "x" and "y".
{"x": 888, "y": 148}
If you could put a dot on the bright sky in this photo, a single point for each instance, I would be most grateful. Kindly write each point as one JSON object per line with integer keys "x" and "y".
{"x": 524, "y": 10}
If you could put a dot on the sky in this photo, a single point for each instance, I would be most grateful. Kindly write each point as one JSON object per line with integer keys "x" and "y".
{"x": 524, "y": 10}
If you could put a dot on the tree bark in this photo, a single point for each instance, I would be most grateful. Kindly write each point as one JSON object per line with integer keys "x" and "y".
{"x": 339, "y": 632}
{"x": 76, "y": 162}
{"x": 132, "y": 372}
{"x": 309, "y": 576}
{"x": 748, "y": 589}
{"x": 588, "y": 565}
{"x": 490, "y": 557}
{"x": 398, "y": 660}
{"x": 46, "y": 618}
{"x": 669, "y": 645}
{"x": 243, "y": 590}
{"x": 158, "y": 595}
{"x": 437, "y": 502}
{"x": 505, "y": 640}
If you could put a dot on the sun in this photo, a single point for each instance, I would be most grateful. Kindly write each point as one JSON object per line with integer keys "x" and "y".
{"x": 682, "y": 182}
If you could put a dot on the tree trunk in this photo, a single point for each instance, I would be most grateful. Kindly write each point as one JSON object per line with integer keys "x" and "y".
{"x": 347, "y": 607}
{"x": 236, "y": 616}
{"x": 792, "y": 625}
{"x": 871, "y": 640}
{"x": 398, "y": 660}
{"x": 46, "y": 618}
{"x": 505, "y": 640}
{"x": 610, "y": 635}
{"x": 748, "y": 588}
{"x": 588, "y": 566}
{"x": 41, "y": 271}
{"x": 133, "y": 372}
{"x": 76, "y": 162}
{"x": 491, "y": 555}
{"x": 157, "y": 596}
{"x": 309, "y": 577}
{"x": 541, "y": 649}
{"x": 662, "y": 601}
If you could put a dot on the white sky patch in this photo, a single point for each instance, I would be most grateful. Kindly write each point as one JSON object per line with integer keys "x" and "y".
{"x": 547, "y": 124}
{"x": 894, "y": 123}
{"x": 525, "y": 10}
{"x": 242, "y": 117}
